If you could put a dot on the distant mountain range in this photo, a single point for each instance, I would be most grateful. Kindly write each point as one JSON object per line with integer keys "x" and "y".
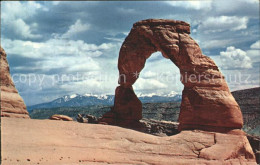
{"x": 77, "y": 100}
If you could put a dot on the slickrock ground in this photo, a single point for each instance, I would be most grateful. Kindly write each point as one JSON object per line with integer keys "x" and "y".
{"x": 60, "y": 142}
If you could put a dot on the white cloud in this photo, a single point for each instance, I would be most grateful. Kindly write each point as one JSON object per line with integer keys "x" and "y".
{"x": 254, "y": 55}
{"x": 149, "y": 74}
{"x": 69, "y": 55}
{"x": 81, "y": 64}
{"x": 24, "y": 30}
{"x": 148, "y": 84}
{"x": 234, "y": 58}
{"x": 78, "y": 27}
{"x": 15, "y": 9}
{"x": 15, "y": 13}
{"x": 23, "y": 48}
{"x": 196, "y": 5}
{"x": 255, "y": 45}
{"x": 54, "y": 47}
{"x": 68, "y": 64}
{"x": 223, "y": 23}
{"x": 160, "y": 75}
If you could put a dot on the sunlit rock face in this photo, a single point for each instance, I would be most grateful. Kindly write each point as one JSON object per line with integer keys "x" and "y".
{"x": 12, "y": 105}
{"x": 207, "y": 103}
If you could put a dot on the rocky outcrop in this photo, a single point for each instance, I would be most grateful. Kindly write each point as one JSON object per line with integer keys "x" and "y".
{"x": 255, "y": 144}
{"x": 87, "y": 119}
{"x": 12, "y": 104}
{"x": 207, "y": 103}
{"x": 81, "y": 119}
{"x": 160, "y": 128}
{"x": 53, "y": 142}
{"x": 61, "y": 117}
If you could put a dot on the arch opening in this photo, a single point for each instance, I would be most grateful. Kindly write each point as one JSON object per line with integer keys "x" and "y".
{"x": 159, "y": 89}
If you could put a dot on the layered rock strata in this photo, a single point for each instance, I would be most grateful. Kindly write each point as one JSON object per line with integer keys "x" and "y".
{"x": 12, "y": 104}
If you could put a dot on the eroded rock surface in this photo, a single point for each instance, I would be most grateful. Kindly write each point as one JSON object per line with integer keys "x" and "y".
{"x": 60, "y": 117}
{"x": 53, "y": 142}
{"x": 12, "y": 104}
{"x": 207, "y": 103}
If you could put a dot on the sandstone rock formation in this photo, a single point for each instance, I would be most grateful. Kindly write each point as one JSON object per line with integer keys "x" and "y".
{"x": 87, "y": 119}
{"x": 207, "y": 103}
{"x": 53, "y": 142}
{"x": 12, "y": 105}
{"x": 61, "y": 117}
{"x": 159, "y": 128}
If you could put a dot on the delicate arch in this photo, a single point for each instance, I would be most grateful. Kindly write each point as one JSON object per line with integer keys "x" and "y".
{"x": 206, "y": 100}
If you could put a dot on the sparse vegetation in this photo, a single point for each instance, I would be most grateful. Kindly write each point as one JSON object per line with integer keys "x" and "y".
{"x": 156, "y": 111}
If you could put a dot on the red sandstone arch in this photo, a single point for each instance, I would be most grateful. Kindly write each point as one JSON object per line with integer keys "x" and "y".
{"x": 206, "y": 100}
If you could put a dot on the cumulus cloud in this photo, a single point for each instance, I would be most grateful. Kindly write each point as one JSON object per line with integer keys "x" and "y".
{"x": 54, "y": 47}
{"x": 254, "y": 52}
{"x": 78, "y": 27}
{"x": 15, "y": 13}
{"x": 56, "y": 54}
{"x": 255, "y": 45}
{"x": 148, "y": 84}
{"x": 15, "y": 9}
{"x": 223, "y": 23}
{"x": 234, "y": 58}
{"x": 196, "y": 5}
{"x": 24, "y": 30}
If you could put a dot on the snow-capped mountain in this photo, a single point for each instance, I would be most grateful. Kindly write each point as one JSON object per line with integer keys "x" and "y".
{"x": 76, "y": 100}
{"x": 157, "y": 98}
{"x": 145, "y": 95}
{"x": 66, "y": 98}
{"x": 171, "y": 94}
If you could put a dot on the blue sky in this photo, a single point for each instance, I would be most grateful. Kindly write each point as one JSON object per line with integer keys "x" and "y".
{"x": 58, "y": 48}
